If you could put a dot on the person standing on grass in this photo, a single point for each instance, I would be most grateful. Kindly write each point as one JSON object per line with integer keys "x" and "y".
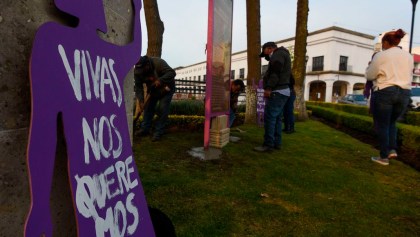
{"x": 236, "y": 87}
{"x": 392, "y": 72}
{"x": 276, "y": 82}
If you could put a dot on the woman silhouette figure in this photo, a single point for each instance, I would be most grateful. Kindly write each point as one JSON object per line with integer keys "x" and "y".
{"x": 76, "y": 74}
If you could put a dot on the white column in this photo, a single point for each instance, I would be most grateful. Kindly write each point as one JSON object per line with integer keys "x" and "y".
{"x": 307, "y": 88}
{"x": 350, "y": 86}
{"x": 329, "y": 91}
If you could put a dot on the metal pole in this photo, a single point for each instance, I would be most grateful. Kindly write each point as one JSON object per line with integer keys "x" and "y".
{"x": 414, "y": 2}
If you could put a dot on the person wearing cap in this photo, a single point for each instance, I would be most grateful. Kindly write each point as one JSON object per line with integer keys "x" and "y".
{"x": 159, "y": 78}
{"x": 276, "y": 82}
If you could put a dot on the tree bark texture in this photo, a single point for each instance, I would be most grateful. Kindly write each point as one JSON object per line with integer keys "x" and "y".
{"x": 254, "y": 61}
{"x": 155, "y": 28}
{"x": 299, "y": 64}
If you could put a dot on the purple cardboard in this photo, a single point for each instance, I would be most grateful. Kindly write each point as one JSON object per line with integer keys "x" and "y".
{"x": 260, "y": 104}
{"x": 77, "y": 74}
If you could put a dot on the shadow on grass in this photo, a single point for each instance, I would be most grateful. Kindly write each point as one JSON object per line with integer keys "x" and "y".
{"x": 322, "y": 183}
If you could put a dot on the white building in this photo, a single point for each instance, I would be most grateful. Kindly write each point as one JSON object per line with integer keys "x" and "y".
{"x": 337, "y": 59}
{"x": 337, "y": 62}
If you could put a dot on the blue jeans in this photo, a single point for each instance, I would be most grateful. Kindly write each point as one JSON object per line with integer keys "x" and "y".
{"x": 388, "y": 104}
{"x": 162, "y": 111}
{"x": 289, "y": 117}
{"x": 272, "y": 119}
{"x": 231, "y": 117}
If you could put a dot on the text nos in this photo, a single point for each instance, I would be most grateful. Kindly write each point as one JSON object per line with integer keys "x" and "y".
{"x": 94, "y": 138}
{"x": 100, "y": 74}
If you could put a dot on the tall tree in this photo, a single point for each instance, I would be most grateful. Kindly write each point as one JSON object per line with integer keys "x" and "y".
{"x": 155, "y": 28}
{"x": 299, "y": 63}
{"x": 254, "y": 61}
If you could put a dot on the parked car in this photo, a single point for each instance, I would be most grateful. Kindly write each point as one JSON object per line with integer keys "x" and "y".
{"x": 415, "y": 98}
{"x": 355, "y": 99}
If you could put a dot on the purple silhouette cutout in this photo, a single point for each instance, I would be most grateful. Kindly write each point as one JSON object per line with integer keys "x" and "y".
{"x": 260, "y": 103}
{"x": 75, "y": 73}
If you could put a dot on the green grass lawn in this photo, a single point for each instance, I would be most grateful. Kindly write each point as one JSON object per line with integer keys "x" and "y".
{"x": 322, "y": 183}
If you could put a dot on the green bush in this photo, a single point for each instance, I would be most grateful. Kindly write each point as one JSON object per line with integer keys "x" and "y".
{"x": 187, "y": 107}
{"x": 409, "y": 136}
{"x": 190, "y": 122}
{"x": 413, "y": 118}
{"x": 193, "y": 107}
{"x": 358, "y": 122}
{"x": 187, "y": 122}
{"x": 189, "y": 114}
{"x": 353, "y": 109}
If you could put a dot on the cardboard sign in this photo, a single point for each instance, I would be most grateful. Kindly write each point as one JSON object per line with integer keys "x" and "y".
{"x": 77, "y": 74}
{"x": 260, "y": 104}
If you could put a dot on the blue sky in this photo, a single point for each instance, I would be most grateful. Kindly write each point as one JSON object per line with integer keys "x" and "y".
{"x": 185, "y": 22}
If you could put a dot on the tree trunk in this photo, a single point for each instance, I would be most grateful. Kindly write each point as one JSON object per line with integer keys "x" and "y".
{"x": 155, "y": 28}
{"x": 299, "y": 64}
{"x": 254, "y": 61}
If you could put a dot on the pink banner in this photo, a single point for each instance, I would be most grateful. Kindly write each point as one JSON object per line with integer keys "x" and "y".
{"x": 219, "y": 50}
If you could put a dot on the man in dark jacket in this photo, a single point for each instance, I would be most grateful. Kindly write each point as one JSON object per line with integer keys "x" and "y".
{"x": 276, "y": 82}
{"x": 159, "y": 78}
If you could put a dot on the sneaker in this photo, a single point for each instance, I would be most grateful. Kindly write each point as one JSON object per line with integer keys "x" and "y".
{"x": 263, "y": 148}
{"x": 379, "y": 160}
{"x": 392, "y": 154}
